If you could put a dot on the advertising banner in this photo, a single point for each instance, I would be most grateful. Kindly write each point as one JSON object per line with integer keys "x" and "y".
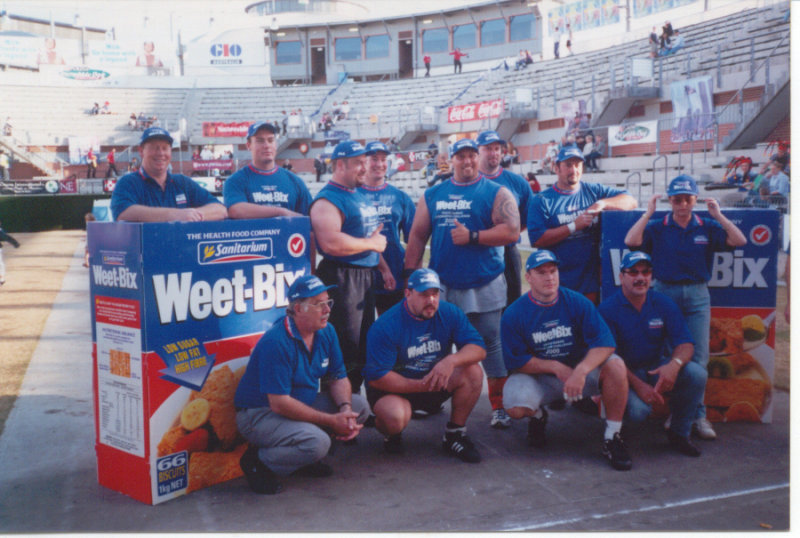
{"x": 692, "y": 109}
{"x": 475, "y": 111}
{"x": 215, "y": 164}
{"x": 743, "y": 289}
{"x": 236, "y": 129}
{"x": 641, "y": 132}
{"x": 226, "y": 52}
{"x": 176, "y": 310}
{"x": 112, "y": 54}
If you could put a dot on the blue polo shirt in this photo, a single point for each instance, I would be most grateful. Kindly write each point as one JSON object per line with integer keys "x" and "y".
{"x": 644, "y": 337}
{"x": 360, "y": 220}
{"x": 579, "y": 253}
{"x": 396, "y": 212}
{"x": 277, "y": 187}
{"x": 411, "y": 346}
{"x": 683, "y": 255}
{"x": 564, "y": 330}
{"x": 281, "y": 364}
{"x": 463, "y": 266}
{"x": 519, "y": 187}
{"x": 138, "y": 188}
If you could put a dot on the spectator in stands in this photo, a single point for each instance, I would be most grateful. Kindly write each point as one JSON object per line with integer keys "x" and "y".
{"x": 774, "y": 189}
{"x": 666, "y": 34}
{"x": 133, "y": 123}
{"x": 744, "y": 177}
{"x": 91, "y": 164}
{"x": 533, "y": 182}
{"x": 229, "y": 155}
{"x": 393, "y": 146}
{"x": 284, "y": 122}
{"x": 141, "y": 121}
{"x": 654, "y": 44}
{"x": 207, "y": 154}
{"x": 550, "y": 155}
{"x": 580, "y": 140}
{"x": 427, "y": 61}
{"x": 5, "y": 165}
{"x": 345, "y": 109}
{"x": 154, "y": 121}
{"x": 295, "y": 124}
{"x": 8, "y": 127}
{"x": 520, "y": 63}
{"x": 598, "y": 151}
{"x": 106, "y": 108}
{"x": 95, "y": 109}
{"x": 675, "y": 44}
{"x": 511, "y": 156}
{"x": 153, "y": 194}
{"x": 326, "y": 122}
{"x": 111, "y": 159}
{"x": 556, "y": 41}
{"x": 196, "y": 154}
{"x": 782, "y": 156}
{"x": 444, "y": 170}
{"x": 336, "y": 112}
{"x": 569, "y": 38}
{"x": 319, "y": 167}
{"x": 457, "y": 55}
{"x": 133, "y": 165}
{"x": 287, "y": 165}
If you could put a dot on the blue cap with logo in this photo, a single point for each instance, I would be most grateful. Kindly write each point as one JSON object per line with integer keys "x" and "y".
{"x": 682, "y": 184}
{"x": 424, "y": 279}
{"x": 347, "y": 149}
{"x": 490, "y": 137}
{"x": 632, "y": 258}
{"x": 376, "y": 146}
{"x": 540, "y": 257}
{"x": 307, "y": 286}
{"x": 153, "y": 133}
{"x": 569, "y": 152}
{"x": 253, "y": 129}
{"x": 464, "y": 143}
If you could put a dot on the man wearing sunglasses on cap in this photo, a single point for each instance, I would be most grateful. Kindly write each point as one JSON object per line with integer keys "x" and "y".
{"x": 654, "y": 341}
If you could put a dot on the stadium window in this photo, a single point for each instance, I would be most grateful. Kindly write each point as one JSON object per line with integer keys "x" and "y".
{"x": 464, "y": 36}
{"x": 348, "y": 48}
{"x": 377, "y": 46}
{"x": 493, "y": 32}
{"x": 287, "y": 52}
{"x": 521, "y": 27}
{"x": 435, "y": 40}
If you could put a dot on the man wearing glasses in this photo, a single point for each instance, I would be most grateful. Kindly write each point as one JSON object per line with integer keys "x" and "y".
{"x": 280, "y": 409}
{"x": 646, "y": 324}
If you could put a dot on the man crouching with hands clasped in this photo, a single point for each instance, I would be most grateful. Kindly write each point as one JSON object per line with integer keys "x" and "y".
{"x": 279, "y": 407}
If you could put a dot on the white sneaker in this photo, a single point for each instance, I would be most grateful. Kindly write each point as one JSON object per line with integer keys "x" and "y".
{"x": 702, "y": 429}
{"x": 500, "y": 419}
{"x": 668, "y": 422}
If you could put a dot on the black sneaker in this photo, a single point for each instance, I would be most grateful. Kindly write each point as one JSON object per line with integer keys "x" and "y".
{"x": 459, "y": 445}
{"x": 682, "y": 444}
{"x": 536, "y": 427}
{"x": 315, "y": 470}
{"x": 259, "y": 477}
{"x": 616, "y": 453}
{"x": 394, "y": 444}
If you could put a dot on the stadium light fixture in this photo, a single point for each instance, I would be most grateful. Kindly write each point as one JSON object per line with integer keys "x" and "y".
{"x": 353, "y": 29}
{"x": 427, "y": 21}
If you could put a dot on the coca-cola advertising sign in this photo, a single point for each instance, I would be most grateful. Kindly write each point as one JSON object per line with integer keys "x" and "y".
{"x": 218, "y": 128}
{"x": 475, "y": 111}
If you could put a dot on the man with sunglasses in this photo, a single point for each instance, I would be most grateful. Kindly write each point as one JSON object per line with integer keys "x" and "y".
{"x": 646, "y": 325}
{"x": 682, "y": 247}
{"x": 280, "y": 408}
{"x": 411, "y": 365}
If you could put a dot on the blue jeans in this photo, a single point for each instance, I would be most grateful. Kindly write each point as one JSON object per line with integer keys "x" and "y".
{"x": 488, "y": 326}
{"x": 685, "y": 397}
{"x": 695, "y": 304}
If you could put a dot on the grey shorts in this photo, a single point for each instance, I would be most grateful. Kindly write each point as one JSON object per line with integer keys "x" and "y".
{"x": 535, "y": 390}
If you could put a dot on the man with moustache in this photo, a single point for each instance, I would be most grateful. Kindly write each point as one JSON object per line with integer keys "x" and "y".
{"x": 411, "y": 366}
{"x": 283, "y": 409}
{"x": 556, "y": 345}
{"x": 153, "y": 194}
{"x": 467, "y": 218}
{"x": 562, "y": 219}
{"x": 646, "y": 325}
{"x": 262, "y": 189}
{"x": 490, "y": 154}
{"x": 348, "y": 235}
{"x": 396, "y": 213}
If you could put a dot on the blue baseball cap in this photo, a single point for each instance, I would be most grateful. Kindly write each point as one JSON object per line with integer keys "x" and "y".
{"x": 346, "y": 149}
{"x": 424, "y": 279}
{"x": 489, "y": 137}
{"x": 682, "y": 184}
{"x": 307, "y": 286}
{"x": 540, "y": 257}
{"x": 253, "y": 129}
{"x": 569, "y": 152}
{"x": 376, "y": 146}
{"x": 464, "y": 143}
{"x": 152, "y": 133}
{"x": 632, "y": 258}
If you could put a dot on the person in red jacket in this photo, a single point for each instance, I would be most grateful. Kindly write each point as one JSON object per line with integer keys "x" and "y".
{"x": 457, "y": 55}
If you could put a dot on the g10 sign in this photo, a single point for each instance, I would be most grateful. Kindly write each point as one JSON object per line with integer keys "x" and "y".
{"x": 226, "y": 53}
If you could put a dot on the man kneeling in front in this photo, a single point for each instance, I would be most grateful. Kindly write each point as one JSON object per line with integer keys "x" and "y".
{"x": 280, "y": 409}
